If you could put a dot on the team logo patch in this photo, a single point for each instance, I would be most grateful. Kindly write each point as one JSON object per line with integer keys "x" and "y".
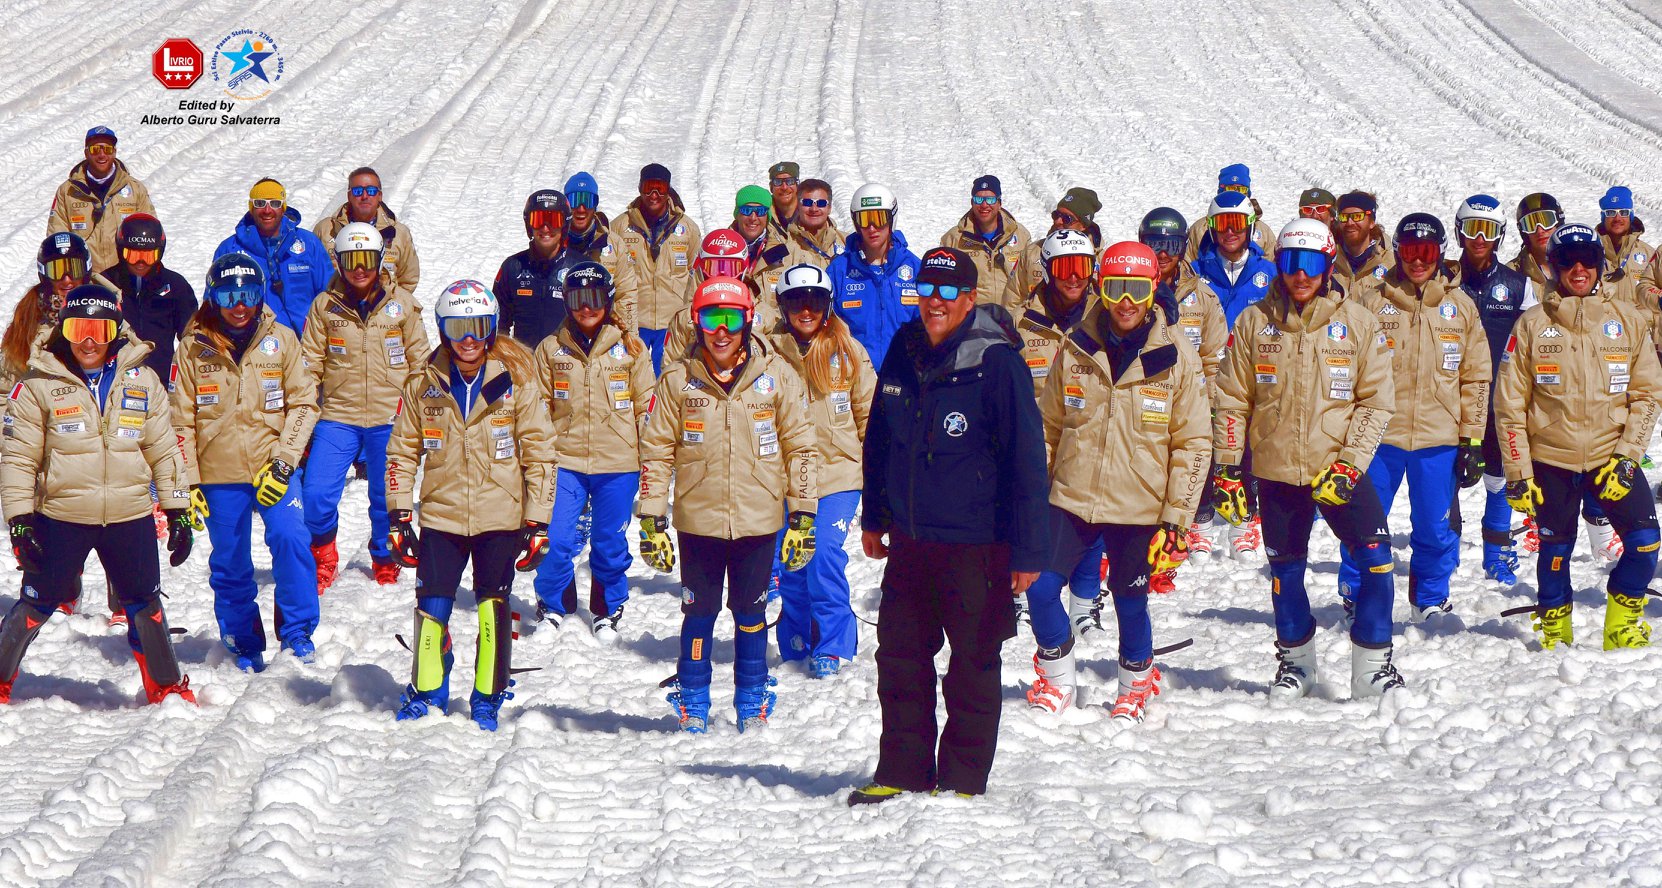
{"x": 1612, "y": 329}
{"x": 1337, "y": 332}
{"x": 1637, "y": 257}
{"x": 298, "y": 249}
{"x": 1190, "y": 299}
{"x": 1549, "y": 333}
{"x": 132, "y": 373}
{"x": 1260, "y": 280}
{"x": 618, "y": 352}
{"x": 905, "y": 272}
{"x": 1379, "y": 273}
{"x": 1390, "y": 309}
{"x": 268, "y": 345}
{"x": 395, "y": 310}
{"x": 955, "y": 424}
{"x": 1500, "y": 293}
{"x": 1511, "y": 346}
{"x": 764, "y": 384}
{"x": 1447, "y": 310}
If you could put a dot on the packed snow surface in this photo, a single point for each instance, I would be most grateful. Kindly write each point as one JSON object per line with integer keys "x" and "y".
{"x": 1499, "y": 765}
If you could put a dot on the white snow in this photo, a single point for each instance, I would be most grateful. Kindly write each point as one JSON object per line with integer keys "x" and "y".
{"x": 1499, "y": 765}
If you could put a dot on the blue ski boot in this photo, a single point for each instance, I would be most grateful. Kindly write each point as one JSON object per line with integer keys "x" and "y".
{"x": 1500, "y": 563}
{"x": 251, "y": 661}
{"x": 486, "y": 708}
{"x": 301, "y": 646}
{"x": 692, "y": 707}
{"x": 755, "y": 704}
{"x": 825, "y": 666}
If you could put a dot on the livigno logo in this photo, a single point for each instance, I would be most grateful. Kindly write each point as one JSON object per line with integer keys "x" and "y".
{"x": 247, "y": 64}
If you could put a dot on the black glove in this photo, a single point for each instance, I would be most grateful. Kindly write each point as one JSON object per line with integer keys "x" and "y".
{"x": 178, "y": 535}
{"x": 26, "y": 546}
{"x": 401, "y": 537}
{"x": 1468, "y": 467}
{"x": 533, "y": 546}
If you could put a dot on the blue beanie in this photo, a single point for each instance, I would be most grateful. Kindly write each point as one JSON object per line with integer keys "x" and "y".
{"x": 988, "y": 183}
{"x": 582, "y": 182}
{"x": 1619, "y": 197}
{"x": 1235, "y": 174}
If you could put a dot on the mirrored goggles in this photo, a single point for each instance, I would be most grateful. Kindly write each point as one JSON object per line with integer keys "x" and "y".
{"x": 136, "y": 257}
{"x": 1480, "y": 229}
{"x": 722, "y": 266}
{"x": 99, "y": 330}
{"x": 586, "y": 200}
{"x": 654, "y": 186}
{"x": 947, "y": 292}
{"x": 100, "y": 148}
{"x": 1419, "y": 251}
{"x": 756, "y": 210}
{"x": 365, "y": 190}
{"x": 1589, "y": 256}
{"x": 1355, "y": 217}
{"x": 716, "y": 317}
{"x": 234, "y": 297}
{"x": 871, "y": 218}
{"x": 1075, "y": 266}
{"x": 589, "y": 297}
{"x": 1138, "y": 290}
{"x": 1230, "y": 222}
{"x": 545, "y": 219}
{"x": 1539, "y": 220}
{"x": 261, "y": 203}
{"x": 360, "y": 260}
{"x": 1311, "y": 263}
{"x": 74, "y": 268}
{"x": 983, "y": 200}
{"x": 1316, "y": 211}
{"x": 479, "y": 328}
{"x": 1171, "y": 245}
{"x": 1238, "y": 189}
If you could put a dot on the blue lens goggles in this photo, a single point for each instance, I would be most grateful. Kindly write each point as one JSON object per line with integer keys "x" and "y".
{"x": 233, "y": 297}
{"x": 1311, "y": 262}
{"x": 941, "y": 291}
{"x": 585, "y": 199}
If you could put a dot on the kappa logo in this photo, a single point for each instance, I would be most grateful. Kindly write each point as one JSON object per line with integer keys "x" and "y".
{"x": 433, "y": 391}
{"x": 1549, "y": 333}
{"x": 1390, "y": 309}
{"x": 1270, "y": 330}
{"x": 955, "y": 424}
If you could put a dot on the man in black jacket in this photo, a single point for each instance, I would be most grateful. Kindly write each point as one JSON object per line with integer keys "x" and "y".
{"x": 156, "y": 301}
{"x": 955, "y": 478}
{"x": 530, "y": 286}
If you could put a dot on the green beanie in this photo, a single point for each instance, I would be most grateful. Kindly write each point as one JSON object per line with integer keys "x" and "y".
{"x": 753, "y": 194}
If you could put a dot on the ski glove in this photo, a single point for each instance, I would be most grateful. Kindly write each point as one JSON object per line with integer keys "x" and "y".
{"x": 178, "y": 536}
{"x": 1336, "y": 484}
{"x": 1229, "y": 495}
{"x": 657, "y": 549}
{"x": 272, "y": 483}
{"x": 1617, "y": 478}
{"x": 533, "y": 546}
{"x": 796, "y": 548}
{"x": 401, "y": 537}
{"x": 1168, "y": 548}
{"x": 26, "y": 546}
{"x": 1468, "y": 466}
{"x": 1524, "y": 496}
{"x": 198, "y": 509}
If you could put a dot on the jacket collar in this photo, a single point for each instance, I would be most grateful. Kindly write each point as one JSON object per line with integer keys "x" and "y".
{"x": 1158, "y": 354}
{"x": 608, "y": 336}
{"x": 498, "y": 384}
{"x": 1279, "y": 306}
{"x": 131, "y": 354}
{"x": 759, "y": 351}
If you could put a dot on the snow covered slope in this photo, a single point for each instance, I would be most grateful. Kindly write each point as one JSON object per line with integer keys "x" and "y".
{"x": 1499, "y": 765}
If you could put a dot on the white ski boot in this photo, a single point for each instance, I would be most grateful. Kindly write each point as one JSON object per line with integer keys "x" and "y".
{"x": 1295, "y": 672}
{"x": 1371, "y": 672}
{"x": 1084, "y": 613}
{"x": 1136, "y": 687}
{"x": 1053, "y": 689}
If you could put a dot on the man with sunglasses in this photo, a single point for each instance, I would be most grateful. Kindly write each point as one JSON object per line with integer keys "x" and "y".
{"x": 1619, "y": 229}
{"x": 1438, "y": 351}
{"x": 99, "y": 194}
{"x": 658, "y": 242}
{"x": 1234, "y": 179}
{"x": 366, "y": 203}
{"x": 873, "y": 284}
{"x": 530, "y": 285}
{"x": 766, "y": 249}
{"x": 814, "y": 238}
{"x": 296, "y": 265}
{"x": 1538, "y": 217}
{"x": 1076, "y": 211}
{"x": 784, "y": 183}
{"x": 1362, "y": 258}
{"x": 989, "y": 235}
{"x": 1306, "y": 384}
{"x": 1575, "y": 405}
{"x": 1317, "y": 204}
{"x": 954, "y": 498}
{"x": 589, "y": 232}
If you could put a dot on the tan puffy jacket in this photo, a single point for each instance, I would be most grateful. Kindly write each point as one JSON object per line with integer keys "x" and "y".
{"x": 1525, "y": 262}
{"x": 1375, "y": 263}
{"x": 1439, "y": 363}
{"x": 815, "y": 250}
{"x": 1200, "y": 320}
{"x": 660, "y": 279}
{"x": 769, "y": 266}
{"x": 1631, "y": 255}
{"x": 1303, "y": 389}
{"x": 1579, "y": 382}
{"x": 399, "y": 264}
{"x": 233, "y": 418}
{"x": 839, "y": 417}
{"x": 96, "y": 468}
{"x": 492, "y": 469}
{"x": 1133, "y": 450}
{"x": 76, "y": 209}
{"x": 597, "y": 400}
{"x": 740, "y": 460}
{"x": 1261, "y": 235}
{"x": 1029, "y": 273}
{"x": 679, "y": 342}
{"x": 994, "y": 262}
{"x": 362, "y": 363}
{"x": 1041, "y": 335}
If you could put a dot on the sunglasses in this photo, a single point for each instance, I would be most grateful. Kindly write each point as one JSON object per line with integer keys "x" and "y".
{"x": 586, "y": 200}
{"x": 1480, "y": 229}
{"x": 589, "y": 297}
{"x": 1238, "y": 189}
{"x": 1230, "y": 222}
{"x": 1310, "y": 263}
{"x": 1423, "y": 251}
{"x": 817, "y": 203}
{"x": 655, "y": 187}
{"x": 1354, "y": 216}
{"x": 756, "y": 210}
{"x": 983, "y": 200}
{"x": 1075, "y": 266}
{"x": 871, "y": 218}
{"x": 261, "y": 203}
{"x": 1171, "y": 245}
{"x": 1114, "y": 289}
{"x": 946, "y": 292}
{"x": 1064, "y": 218}
{"x": 479, "y": 328}
{"x": 236, "y": 297}
{"x": 784, "y": 182}
{"x": 74, "y": 268}
{"x": 360, "y": 260}
{"x": 364, "y": 190}
{"x": 1588, "y": 256}
{"x": 1539, "y": 220}
{"x": 1311, "y": 211}
{"x": 136, "y": 257}
{"x": 100, "y": 148}
{"x": 545, "y": 219}
{"x": 1621, "y": 213}
{"x": 722, "y": 266}
{"x": 716, "y": 317}
{"x": 100, "y": 330}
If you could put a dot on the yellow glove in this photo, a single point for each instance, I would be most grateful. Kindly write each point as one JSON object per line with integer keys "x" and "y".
{"x": 1229, "y": 495}
{"x": 1168, "y": 548}
{"x": 1336, "y": 484}
{"x": 272, "y": 483}
{"x": 1524, "y": 496}
{"x": 1616, "y": 478}
{"x": 796, "y": 549}
{"x": 198, "y": 514}
{"x": 657, "y": 549}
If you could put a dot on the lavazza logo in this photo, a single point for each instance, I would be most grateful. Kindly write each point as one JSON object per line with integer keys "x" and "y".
{"x": 246, "y": 65}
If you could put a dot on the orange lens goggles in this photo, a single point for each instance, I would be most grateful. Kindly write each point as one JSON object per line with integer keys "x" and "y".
{"x": 135, "y": 257}
{"x": 1312, "y": 211}
{"x": 871, "y": 218}
{"x": 74, "y": 268}
{"x": 360, "y": 260}
{"x": 545, "y": 219}
{"x": 99, "y": 330}
{"x": 1138, "y": 290}
{"x": 1355, "y": 216}
{"x": 1066, "y": 267}
{"x": 1238, "y": 189}
{"x": 100, "y": 148}
{"x": 1230, "y": 222}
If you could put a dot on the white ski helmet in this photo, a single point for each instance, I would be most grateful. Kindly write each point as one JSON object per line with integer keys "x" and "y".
{"x": 359, "y": 237}
{"x": 874, "y": 196}
{"x": 1064, "y": 242}
{"x": 803, "y": 281}
{"x": 1306, "y": 234}
{"x": 466, "y": 308}
{"x": 1232, "y": 202}
{"x": 1484, "y": 207}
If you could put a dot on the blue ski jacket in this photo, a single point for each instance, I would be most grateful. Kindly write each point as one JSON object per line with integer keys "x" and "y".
{"x": 875, "y": 301}
{"x": 1253, "y": 282}
{"x": 296, "y": 265}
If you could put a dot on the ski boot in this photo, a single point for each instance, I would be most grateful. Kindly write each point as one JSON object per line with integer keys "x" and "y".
{"x": 824, "y": 666}
{"x": 873, "y": 794}
{"x": 1202, "y": 538}
{"x": 692, "y": 707}
{"x": 328, "y": 565}
{"x": 486, "y": 708}
{"x": 247, "y": 661}
{"x": 1500, "y": 560}
{"x": 1532, "y": 536}
{"x": 605, "y": 627}
{"x": 429, "y": 686}
{"x": 1085, "y": 614}
{"x": 1623, "y": 627}
{"x": 1371, "y": 672}
{"x": 1053, "y": 689}
{"x": 1163, "y": 583}
{"x": 301, "y": 646}
{"x": 386, "y": 573}
{"x": 1138, "y": 682}
{"x": 1554, "y": 627}
{"x": 158, "y": 666}
{"x": 21, "y": 626}
{"x": 1295, "y": 671}
{"x": 1602, "y": 538}
{"x": 492, "y": 669}
{"x": 755, "y": 704}
{"x": 1247, "y": 537}
{"x": 1430, "y": 613}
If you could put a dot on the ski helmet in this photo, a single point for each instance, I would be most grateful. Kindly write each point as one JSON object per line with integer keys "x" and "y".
{"x": 1419, "y": 227}
{"x": 1129, "y": 259}
{"x": 90, "y": 312}
{"x": 1062, "y": 243}
{"x": 588, "y": 285}
{"x": 141, "y": 233}
{"x": 724, "y": 293}
{"x": 61, "y": 255}
{"x": 1480, "y": 217}
{"x": 1305, "y": 245}
{"x": 1164, "y": 230}
{"x": 466, "y": 309}
{"x": 874, "y": 196}
{"x": 804, "y": 281}
{"x": 359, "y": 246}
{"x": 1231, "y": 203}
{"x": 1573, "y": 244}
{"x": 723, "y": 254}
{"x": 1537, "y": 211}
{"x": 546, "y": 200}
{"x": 235, "y": 279}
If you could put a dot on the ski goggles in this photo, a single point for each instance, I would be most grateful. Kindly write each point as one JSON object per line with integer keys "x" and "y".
{"x": 1238, "y": 189}
{"x": 1589, "y": 256}
{"x": 136, "y": 257}
{"x": 722, "y": 266}
{"x": 589, "y": 297}
{"x": 360, "y": 260}
{"x": 1230, "y": 222}
{"x": 100, "y": 148}
{"x": 1114, "y": 289}
{"x": 365, "y": 190}
{"x": 479, "y": 328}
{"x": 1419, "y": 251}
{"x": 811, "y": 298}
{"x": 74, "y": 268}
{"x": 100, "y": 330}
{"x": 236, "y": 297}
{"x": 1316, "y": 211}
{"x": 655, "y": 186}
{"x": 1310, "y": 263}
{"x": 1171, "y": 245}
{"x": 1480, "y": 229}
{"x": 983, "y": 200}
{"x": 756, "y": 210}
{"x": 262, "y": 203}
{"x": 945, "y": 292}
{"x": 545, "y": 219}
{"x": 1074, "y": 266}
{"x": 1354, "y": 217}
{"x": 583, "y": 200}
{"x": 717, "y": 317}
{"x": 872, "y": 218}
{"x": 818, "y": 203}
{"x": 1539, "y": 220}
{"x": 1621, "y": 213}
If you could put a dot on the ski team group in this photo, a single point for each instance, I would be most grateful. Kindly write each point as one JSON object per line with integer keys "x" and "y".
{"x": 1060, "y": 413}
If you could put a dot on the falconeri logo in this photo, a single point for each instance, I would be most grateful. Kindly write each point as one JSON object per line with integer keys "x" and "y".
{"x": 247, "y": 64}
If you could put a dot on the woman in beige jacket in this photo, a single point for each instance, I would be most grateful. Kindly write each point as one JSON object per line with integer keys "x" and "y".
{"x": 89, "y": 424}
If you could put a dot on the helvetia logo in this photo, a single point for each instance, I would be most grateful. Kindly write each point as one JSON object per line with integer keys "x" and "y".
{"x": 247, "y": 64}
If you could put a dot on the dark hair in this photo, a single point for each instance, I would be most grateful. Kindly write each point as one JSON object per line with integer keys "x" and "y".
{"x": 363, "y": 171}
{"x": 807, "y": 185}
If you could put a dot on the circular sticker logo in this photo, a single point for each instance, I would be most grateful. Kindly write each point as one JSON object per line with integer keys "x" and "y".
{"x": 247, "y": 64}
{"x": 955, "y": 424}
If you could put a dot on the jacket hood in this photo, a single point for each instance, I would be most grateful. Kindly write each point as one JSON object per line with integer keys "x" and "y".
{"x": 131, "y": 354}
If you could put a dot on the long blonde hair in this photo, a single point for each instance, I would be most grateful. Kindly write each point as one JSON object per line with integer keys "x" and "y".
{"x": 831, "y": 340}
{"x": 521, "y": 365}
{"x": 208, "y": 321}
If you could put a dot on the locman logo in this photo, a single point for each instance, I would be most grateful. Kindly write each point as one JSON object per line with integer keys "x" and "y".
{"x": 247, "y": 64}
